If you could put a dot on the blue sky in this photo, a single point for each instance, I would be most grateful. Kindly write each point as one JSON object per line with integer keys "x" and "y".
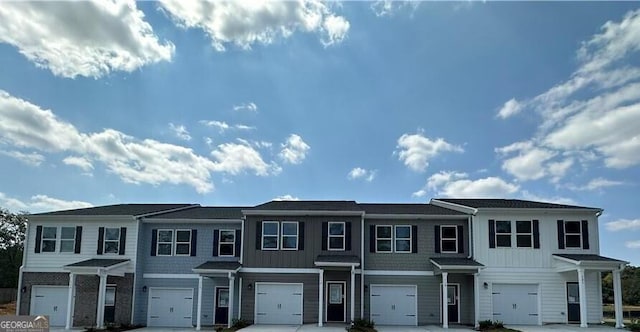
{"x": 243, "y": 102}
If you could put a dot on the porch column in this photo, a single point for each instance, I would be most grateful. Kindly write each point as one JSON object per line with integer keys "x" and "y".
{"x": 445, "y": 304}
{"x": 231, "y": 292}
{"x": 353, "y": 291}
{"x": 476, "y": 300}
{"x": 617, "y": 298}
{"x": 72, "y": 284}
{"x": 583, "y": 298}
{"x": 198, "y": 320}
{"x": 320, "y": 296}
{"x": 101, "y": 294}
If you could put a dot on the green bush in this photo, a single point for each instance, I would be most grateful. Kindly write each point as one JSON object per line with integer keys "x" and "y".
{"x": 634, "y": 327}
{"x": 361, "y": 325}
{"x": 498, "y": 324}
{"x": 239, "y": 323}
{"x": 485, "y": 324}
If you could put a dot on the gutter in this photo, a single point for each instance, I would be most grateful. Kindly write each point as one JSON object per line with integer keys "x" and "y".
{"x": 361, "y": 265}
{"x": 470, "y": 237}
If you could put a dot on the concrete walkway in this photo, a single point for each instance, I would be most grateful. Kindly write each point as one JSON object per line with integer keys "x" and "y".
{"x": 341, "y": 328}
{"x": 564, "y": 327}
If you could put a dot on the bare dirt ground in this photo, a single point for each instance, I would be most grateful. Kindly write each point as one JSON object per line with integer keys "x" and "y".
{"x": 8, "y": 309}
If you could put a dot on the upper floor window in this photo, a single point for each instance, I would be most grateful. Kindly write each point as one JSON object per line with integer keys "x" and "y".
{"x": 384, "y": 238}
{"x": 67, "y": 239}
{"x": 336, "y": 236}
{"x": 173, "y": 242}
{"x": 503, "y": 233}
{"x": 49, "y": 235}
{"x": 449, "y": 239}
{"x": 397, "y": 238}
{"x": 165, "y": 242}
{"x": 524, "y": 234}
{"x": 227, "y": 244}
{"x": 270, "y": 235}
{"x": 289, "y": 235}
{"x": 64, "y": 239}
{"x": 183, "y": 242}
{"x": 111, "y": 240}
{"x": 573, "y": 234}
{"x": 402, "y": 239}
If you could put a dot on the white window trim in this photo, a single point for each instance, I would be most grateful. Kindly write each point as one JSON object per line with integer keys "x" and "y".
{"x": 343, "y": 236}
{"x": 395, "y": 239}
{"x": 504, "y": 234}
{"x": 384, "y": 238}
{"x": 220, "y": 243}
{"x": 158, "y": 243}
{"x": 282, "y": 235}
{"x": 175, "y": 241}
{"x": 104, "y": 241}
{"x": 579, "y": 234}
{"x": 277, "y": 235}
{"x": 56, "y": 245}
{"x": 73, "y": 249}
{"x": 518, "y": 234}
{"x": 442, "y": 239}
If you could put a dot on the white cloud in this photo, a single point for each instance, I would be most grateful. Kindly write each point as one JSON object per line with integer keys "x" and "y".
{"x": 180, "y": 131}
{"x": 456, "y": 184}
{"x": 416, "y": 150}
{"x": 528, "y": 165}
{"x": 623, "y": 225}
{"x": 632, "y": 244}
{"x": 132, "y": 159}
{"x": 596, "y": 184}
{"x": 245, "y": 23}
{"x": 250, "y": 106}
{"x": 286, "y": 197}
{"x": 595, "y": 114}
{"x": 361, "y": 173}
{"x": 390, "y": 7}
{"x": 294, "y": 150}
{"x": 81, "y": 162}
{"x": 62, "y": 36}
{"x": 511, "y": 107}
{"x": 553, "y": 199}
{"x": 40, "y": 203}
{"x": 223, "y": 126}
{"x": 31, "y": 159}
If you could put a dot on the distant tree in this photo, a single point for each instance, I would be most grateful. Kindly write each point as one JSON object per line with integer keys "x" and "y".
{"x": 630, "y": 279}
{"x": 12, "y": 233}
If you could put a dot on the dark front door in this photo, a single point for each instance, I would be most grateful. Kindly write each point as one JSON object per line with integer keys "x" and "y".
{"x": 573, "y": 302}
{"x": 335, "y": 301}
{"x": 453, "y": 292}
{"x": 222, "y": 305}
{"x": 110, "y": 304}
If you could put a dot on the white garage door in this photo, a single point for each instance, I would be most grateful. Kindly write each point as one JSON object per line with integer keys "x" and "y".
{"x": 170, "y": 307}
{"x": 278, "y": 303}
{"x": 515, "y": 304}
{"x": 51, "y": 301}
{"x": 394, "y": 305}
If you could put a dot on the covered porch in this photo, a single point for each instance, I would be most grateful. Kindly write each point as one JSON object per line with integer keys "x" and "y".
{"x": 580, "y": 263}
{"x": 217, "y": 269}
{"x": 336, "y": 267}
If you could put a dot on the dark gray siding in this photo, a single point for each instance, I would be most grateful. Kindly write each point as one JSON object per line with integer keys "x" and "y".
{"x": 312, "y": 243}
{"x": 411, "y": 261}
{"x": 344, "y": 276}
{"x": 466, "y": 295}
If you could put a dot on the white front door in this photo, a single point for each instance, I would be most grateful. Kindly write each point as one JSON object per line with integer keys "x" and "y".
{"x": 170, "y": 307}
{"x": 394, "y": 304}
{"x": 50, "y": 301}
{"x": 515, "y": 303}
{"x": 278, "y": 303}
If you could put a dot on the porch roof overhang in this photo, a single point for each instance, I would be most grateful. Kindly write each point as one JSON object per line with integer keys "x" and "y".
{"x": 219, "y": 268}
{"x": 455, "y": 264}
{"x": 572, "y": 262}
{"x": 337, "y": 261}
{"x": 99, "y": 266}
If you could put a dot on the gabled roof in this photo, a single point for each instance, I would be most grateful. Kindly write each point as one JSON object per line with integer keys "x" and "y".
{"x": 496, "y": 203}
{"x": 117, "y": 210}
{"x": 589, "y": 258}
{"x": 401, "y": 208}
{"x": 203, "y": 212}
{"x": 308, "y": 206}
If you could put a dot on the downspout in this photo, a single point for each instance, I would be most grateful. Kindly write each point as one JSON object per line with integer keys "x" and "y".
{"x": 470, "y": 237}
{"x": 24, "y": 260}
{"x": 361, "y": 266}
{"x": 135, "y": 273}
{"x": 242, "y": 240}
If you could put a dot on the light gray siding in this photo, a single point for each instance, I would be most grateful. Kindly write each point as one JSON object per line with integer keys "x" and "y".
{"x": 426, "y": 245}
{"x": 312, "y": 242}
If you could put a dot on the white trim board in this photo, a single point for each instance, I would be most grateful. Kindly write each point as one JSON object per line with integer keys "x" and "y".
{"x": 277, "y": 270}
{"x": 169, "y": 276}
{"x": 397, "y": 273}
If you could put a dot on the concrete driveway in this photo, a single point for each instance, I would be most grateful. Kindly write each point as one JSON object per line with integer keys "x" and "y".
{"x": 563, "y": 327}
{"x": 341, "y": 328}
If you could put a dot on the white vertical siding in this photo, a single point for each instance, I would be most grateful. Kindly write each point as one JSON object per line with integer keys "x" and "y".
{"x": 54, "y": 262}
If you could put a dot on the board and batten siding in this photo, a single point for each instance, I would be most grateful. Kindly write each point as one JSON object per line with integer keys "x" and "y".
{"x": 552, "y": 292}
{"x": 528, "y": 257}
{"x": 55, "y": 261}
{"x": 425, "y": 245}
{"x": 304, "y": 258}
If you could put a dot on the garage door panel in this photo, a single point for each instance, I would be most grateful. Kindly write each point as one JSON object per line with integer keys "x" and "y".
{"x": 515, "y": 303}
{"x": 171, "y": 307}
{"x": 279, "y": 303}
{"x": 393, "y": 304}
{"x": 50, "y": 301}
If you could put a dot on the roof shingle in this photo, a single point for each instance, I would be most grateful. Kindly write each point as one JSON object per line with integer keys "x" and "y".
{"x": 401, "y": 208}
{"x": 479, "y": 203}
{"x": 204, "y": 212}
{"x": 308, "y": 206}
{"x": 116, "y": 210}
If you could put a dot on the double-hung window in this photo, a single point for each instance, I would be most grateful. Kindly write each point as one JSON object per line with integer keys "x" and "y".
{"x": 227, "y": 244}
{"x": 165, "y": 242}
{"x": 524, "y": 234}
{"x": 67, "y": 239}
{"x": 336, "y": 236}
{"x": 111, "y": 240}
{"x": 183, "y": 242}
{"x": 270, "y": 235}
{"x": 503, "y": 233}
{"x": 573, "y": 234}
{"x": 289, "y": 235}
{"x": 449, "y": 239}
{"x": 397, "y": 238}
{"x": 49, "y": 235}
{"x": 402, "y": 241}
{"x": 384, "y": 238}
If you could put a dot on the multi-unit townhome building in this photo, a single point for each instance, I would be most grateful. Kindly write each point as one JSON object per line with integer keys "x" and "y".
{"x": 450, "y": 261}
